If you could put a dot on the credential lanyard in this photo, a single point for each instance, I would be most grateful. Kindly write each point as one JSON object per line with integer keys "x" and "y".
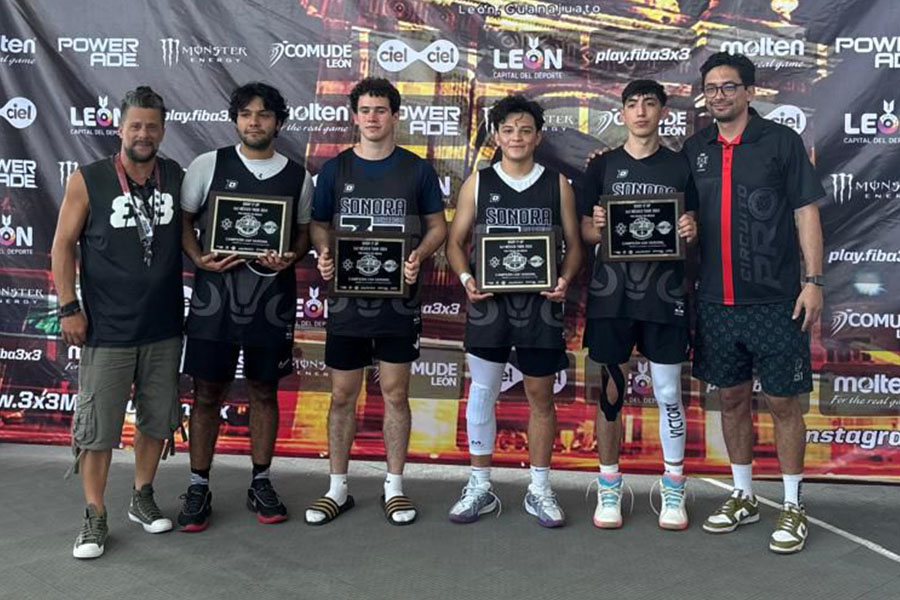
{"x": 145, "y": 222}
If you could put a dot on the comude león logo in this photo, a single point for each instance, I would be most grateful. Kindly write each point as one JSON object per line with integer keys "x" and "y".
{"x": 396, "y": 55}
{"x": 336, "y": 56}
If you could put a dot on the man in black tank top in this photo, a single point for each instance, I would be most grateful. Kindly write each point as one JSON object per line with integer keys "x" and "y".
{"x": 241, "y": 305}
{"x": 639, "y": 303}
{"x": 514, "y": 195}
{"x": 374, "y": 186}
{"x": 124, "y": 211}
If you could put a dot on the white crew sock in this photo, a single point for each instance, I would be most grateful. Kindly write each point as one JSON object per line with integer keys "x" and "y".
{"x": 481, "y": 475}
{"x": 609, "y": 469}
{"x": 337, "y": 491}
{"x": 393, "y": 487}
{"x": 540, "y": 478}
{"x": 743, "y": 478}
{"x": 792, "y": 487}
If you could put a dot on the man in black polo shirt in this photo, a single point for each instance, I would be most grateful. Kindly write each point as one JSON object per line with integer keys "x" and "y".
{"x": 756, "y": 188}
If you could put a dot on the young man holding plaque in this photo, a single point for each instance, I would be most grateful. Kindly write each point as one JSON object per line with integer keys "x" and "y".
{"x": 244, "y": 298}
{"x": 757, "y": 191}
{"x": 519, "y": 197}
{"x": 123, "y": 211}
{"x": 375, "y": 188}
{"x": 638, "y": 303}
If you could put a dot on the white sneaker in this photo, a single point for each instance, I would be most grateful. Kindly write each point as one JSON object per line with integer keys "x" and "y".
{"x": 477, "y": 499}
{"x": 608, "y": 514}
{"x": 543, "y": 504}
{"x": 672, "y": 513}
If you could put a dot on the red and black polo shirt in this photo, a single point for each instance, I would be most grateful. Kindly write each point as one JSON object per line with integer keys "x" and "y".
{"x": 748, "y": 190}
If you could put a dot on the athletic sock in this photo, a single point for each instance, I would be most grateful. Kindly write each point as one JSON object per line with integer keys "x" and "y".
{"x": 540, "y": 477}
{"x": 261, "y": 471}
{"x": 743, "y": 478}
{"x": 337, "y": 488}
{"x": 609, "y": 469}
{"x": 393, "y": 487}
{"x": 671, "y": 469}
{"x": 481, "y": 475}
{"x": 337, "y": 491}
{"x": 200, "y": 477}
{"x": 792, "y": 487}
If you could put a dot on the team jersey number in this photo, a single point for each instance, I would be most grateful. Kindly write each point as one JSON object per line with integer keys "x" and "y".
{"x": 123, "y": 215}
{"x": 367, "y": 223}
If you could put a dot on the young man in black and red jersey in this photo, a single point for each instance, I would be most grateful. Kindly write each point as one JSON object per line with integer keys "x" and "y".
{"x": 639, "y": 304}
{"x": 757, "y": 214}
{"x": 374, "y": 186}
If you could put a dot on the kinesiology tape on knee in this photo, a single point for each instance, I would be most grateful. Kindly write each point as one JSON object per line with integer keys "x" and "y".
{"x": 614, "y": 372}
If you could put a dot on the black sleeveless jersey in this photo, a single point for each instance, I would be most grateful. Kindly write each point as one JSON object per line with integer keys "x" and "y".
{"x": 526, "y": 320}
{"x": 248, "y": 304}
{"x": 126, "y": 302}
{"x": 388, "y": 202}
{"x": 653, "y": 291}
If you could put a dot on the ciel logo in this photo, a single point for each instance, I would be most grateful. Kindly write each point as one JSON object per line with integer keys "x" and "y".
{"x": 20, "y": 112}
{"x": 395, "y": 55}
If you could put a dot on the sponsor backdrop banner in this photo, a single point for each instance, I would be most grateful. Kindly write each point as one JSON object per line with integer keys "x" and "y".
{"x": 830, "y": 69}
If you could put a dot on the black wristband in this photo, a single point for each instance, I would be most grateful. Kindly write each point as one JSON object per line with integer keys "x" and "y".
{"x": 69, "y": 309}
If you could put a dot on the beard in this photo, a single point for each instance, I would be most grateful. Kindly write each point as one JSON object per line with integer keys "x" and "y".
{"x": 133, "y": 155}
{"x": 259, "y": 143}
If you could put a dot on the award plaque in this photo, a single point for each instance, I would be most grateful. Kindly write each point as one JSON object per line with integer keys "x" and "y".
{"x": 248, "y": 225}
{"x": 642, "y": 228}
{"x": 516, "y": 262}
{"x": 369, "y": 264}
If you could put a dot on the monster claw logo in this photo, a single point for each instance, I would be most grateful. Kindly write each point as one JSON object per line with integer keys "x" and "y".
{"x": 888, "y": 123}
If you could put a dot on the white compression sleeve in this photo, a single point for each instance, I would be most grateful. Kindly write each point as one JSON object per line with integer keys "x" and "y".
{"x": 672, "y": 423}
{"x": 481, "y": 421}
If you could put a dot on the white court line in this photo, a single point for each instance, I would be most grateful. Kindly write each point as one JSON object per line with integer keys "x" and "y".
{"x": 876, "y": 548}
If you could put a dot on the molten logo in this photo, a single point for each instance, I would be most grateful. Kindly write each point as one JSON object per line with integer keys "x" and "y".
{"x": 395, "y": 55}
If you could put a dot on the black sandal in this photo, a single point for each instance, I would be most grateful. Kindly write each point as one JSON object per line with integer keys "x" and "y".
{"x": 329, "y": 508}
{"x": 398, "y": 504}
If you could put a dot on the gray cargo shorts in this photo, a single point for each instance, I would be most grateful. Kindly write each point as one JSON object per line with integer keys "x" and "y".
{"x": 105, "y": 379}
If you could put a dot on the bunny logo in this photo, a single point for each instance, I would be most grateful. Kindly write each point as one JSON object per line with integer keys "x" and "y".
{"x": 641, "y": 383}
{"x": 314, "y": 308}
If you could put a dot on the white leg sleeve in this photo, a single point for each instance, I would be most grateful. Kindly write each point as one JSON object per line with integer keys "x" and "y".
{"x": 672, "y": 423}
{"x": 481, "y": 421}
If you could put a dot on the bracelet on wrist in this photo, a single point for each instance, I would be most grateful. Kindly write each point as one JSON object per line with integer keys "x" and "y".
{"x": 69, "y": 309}
{"x": 464, "y": 278}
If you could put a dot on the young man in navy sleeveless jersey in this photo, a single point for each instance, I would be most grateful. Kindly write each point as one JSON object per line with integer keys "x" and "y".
{"x": 754, "y": 313}
{"x": 374, "y": 186}
{"x": 515, "y": 194}
{"x": 641, "y": 304}
{"x": 241, "y": 305}
{"x": 124, "y": 211}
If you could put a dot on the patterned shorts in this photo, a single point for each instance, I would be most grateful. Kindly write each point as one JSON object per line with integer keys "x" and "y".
{"x": 733, "y": 341}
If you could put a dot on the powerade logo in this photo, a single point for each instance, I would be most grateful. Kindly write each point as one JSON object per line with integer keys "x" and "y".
{"x": 20, "y": 112}
{"x": 431, "y": 120}
{"x": 18, "y": 173}
{"x": 886, "y": 50}
{"x": 873, "y": 128}
{"x": 103, "y": 52}
{"x": 336, "y": 56}
{"x": 395, "y": 55}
